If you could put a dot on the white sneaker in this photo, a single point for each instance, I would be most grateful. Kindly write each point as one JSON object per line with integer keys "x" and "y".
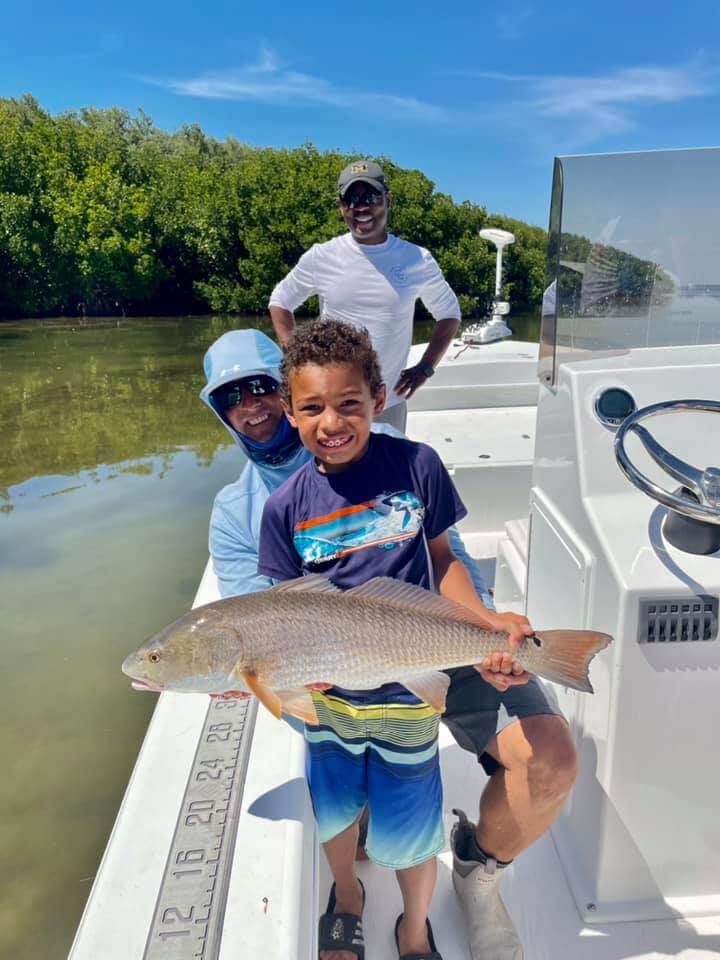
{"x": 491, "y": 933}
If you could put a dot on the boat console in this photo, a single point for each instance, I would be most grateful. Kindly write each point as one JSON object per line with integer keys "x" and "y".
{"x": 625, "y": 522}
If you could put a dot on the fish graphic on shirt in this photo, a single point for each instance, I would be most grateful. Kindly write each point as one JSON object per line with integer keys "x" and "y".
{"x": 381, "y": 522}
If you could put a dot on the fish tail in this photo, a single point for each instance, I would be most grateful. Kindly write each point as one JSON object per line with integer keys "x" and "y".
{"x": 564, "y": 656}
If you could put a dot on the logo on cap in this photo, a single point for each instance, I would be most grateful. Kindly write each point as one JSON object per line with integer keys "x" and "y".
{"x": 359, "y": 168}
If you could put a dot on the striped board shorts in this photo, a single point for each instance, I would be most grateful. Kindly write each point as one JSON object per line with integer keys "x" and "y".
{"x": 377, "y": 749}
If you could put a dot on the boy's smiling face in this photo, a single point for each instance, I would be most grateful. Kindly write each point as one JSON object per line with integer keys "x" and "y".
{"x": 332, "y": 408}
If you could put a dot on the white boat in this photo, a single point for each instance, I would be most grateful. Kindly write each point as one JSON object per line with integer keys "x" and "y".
{"x": 632, "y": 867}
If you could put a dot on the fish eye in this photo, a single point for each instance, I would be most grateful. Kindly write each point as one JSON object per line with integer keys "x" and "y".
{"x": 154, "y": 657}
{"x": 537, "y": 641}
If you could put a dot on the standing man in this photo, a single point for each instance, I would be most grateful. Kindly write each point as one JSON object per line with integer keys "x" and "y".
{"x": 370, "y": 278}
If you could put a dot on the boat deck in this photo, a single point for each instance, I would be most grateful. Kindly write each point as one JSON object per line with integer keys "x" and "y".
{"x": 489, "y": 453}
{"x": 486, "y": 437}
{"x": 535, "y": 893}
{"x": 279, "y": 880}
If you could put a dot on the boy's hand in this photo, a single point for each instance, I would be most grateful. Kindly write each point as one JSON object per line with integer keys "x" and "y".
{"x": 499, "y": 669}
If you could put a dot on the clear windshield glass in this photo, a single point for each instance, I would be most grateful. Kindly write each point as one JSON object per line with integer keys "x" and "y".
{"x": 633, "y": 255}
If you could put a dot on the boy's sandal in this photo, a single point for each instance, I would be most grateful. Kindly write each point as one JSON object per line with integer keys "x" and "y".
{"x": 341, "y": 931}
{"x": 433, "y": 955}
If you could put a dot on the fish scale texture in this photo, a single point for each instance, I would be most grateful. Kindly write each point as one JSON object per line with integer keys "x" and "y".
{"x": 355, "y": 644}
{"x": 289, "y": 638}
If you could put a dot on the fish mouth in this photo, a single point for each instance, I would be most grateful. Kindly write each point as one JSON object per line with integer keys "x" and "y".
{"x": 146, "y": 685}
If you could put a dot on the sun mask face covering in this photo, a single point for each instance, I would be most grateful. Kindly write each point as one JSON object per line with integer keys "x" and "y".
{"x": 277, "y": 450}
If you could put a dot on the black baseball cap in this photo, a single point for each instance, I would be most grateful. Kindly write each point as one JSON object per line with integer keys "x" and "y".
{"x": 366, "y": 170}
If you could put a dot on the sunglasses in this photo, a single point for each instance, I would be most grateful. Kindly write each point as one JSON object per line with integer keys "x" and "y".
{"x": 231, "y": 394}
{"x": 367, "y": 199}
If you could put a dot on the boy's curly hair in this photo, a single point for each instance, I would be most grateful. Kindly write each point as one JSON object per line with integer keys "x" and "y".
{"x": 324, "y": 342}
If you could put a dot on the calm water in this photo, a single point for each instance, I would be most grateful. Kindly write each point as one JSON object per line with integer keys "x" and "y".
{"x": 109, "y": 466}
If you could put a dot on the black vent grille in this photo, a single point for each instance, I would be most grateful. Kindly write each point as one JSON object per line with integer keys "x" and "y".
{"x": 678, "y": 619}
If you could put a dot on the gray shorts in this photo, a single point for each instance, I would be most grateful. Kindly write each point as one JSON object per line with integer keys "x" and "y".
{"x": 476, "y": 711}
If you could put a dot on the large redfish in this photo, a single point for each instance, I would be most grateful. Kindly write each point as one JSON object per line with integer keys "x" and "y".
{"x": 307, "y": 631}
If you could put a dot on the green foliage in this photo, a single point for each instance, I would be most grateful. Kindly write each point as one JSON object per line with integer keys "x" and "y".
{"x": 101, "y": 212}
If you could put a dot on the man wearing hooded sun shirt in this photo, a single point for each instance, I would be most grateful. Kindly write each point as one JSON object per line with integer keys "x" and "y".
{"x": 370, "y": 278}
{"x": 254, "y": 417}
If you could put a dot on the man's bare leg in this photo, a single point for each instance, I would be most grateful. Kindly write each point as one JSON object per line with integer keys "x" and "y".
{"x": 340, "y": 853}
{"x": 522, "y": 799}
{"x": 416, "y": 885}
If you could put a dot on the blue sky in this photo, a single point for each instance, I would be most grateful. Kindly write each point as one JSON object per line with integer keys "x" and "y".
{"x": 479, "y": 96}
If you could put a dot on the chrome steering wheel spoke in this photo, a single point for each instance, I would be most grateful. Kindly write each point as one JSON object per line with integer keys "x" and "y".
{"x": 688, "y": 476}
{"x": 704, "y": 484}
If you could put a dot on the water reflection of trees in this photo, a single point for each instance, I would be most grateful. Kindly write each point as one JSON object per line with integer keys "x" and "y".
{"x": 597, "y": 279}
{"x": 76, "y": 396}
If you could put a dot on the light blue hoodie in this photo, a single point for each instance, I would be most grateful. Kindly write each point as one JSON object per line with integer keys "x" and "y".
{"x": 237, "y": 511}
{"x": 238, "y": 507}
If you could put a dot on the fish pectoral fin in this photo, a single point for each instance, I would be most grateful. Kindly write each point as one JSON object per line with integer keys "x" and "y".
{"x": 299, "y": 703}
{"x": 265, "y": 695}
{"x": 430, "y": 687}
{"x": 312, "y": 583}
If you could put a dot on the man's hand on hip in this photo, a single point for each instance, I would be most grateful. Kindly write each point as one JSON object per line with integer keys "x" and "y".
{"x": 411, "y": 379}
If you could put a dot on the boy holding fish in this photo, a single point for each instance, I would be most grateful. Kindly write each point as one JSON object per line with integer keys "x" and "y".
{"x": 368, "y": 506}
{"x": 496, "y": 713}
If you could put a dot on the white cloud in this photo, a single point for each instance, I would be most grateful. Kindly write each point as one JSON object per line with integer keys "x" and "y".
{"x": 589, "y": 108}
{"x": 558, "y": 112}
{"x": 267, "y": 62}
{"x": 269, "y": 81}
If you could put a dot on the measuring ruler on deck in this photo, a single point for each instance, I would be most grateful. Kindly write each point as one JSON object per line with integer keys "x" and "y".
{"x": 188, "y": 919}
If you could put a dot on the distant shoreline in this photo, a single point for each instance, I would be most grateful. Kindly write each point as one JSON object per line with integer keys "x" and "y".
{"x": 105, "y": 214}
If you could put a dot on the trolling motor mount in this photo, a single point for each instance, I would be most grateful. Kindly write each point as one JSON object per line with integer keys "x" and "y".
{"x": 494, "y": 328}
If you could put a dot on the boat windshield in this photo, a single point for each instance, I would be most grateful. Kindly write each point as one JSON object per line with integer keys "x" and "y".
{"x": 633, "y": 255}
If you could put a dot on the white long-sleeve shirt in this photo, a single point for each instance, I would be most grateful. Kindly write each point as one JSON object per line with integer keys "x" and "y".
{"x": 374, "y": 286}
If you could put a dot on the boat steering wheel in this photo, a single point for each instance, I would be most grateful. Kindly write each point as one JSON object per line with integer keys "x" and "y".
{"x": 703, "y": 484}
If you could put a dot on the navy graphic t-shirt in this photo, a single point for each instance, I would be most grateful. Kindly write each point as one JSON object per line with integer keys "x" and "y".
{"x": 371, "y": 520}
